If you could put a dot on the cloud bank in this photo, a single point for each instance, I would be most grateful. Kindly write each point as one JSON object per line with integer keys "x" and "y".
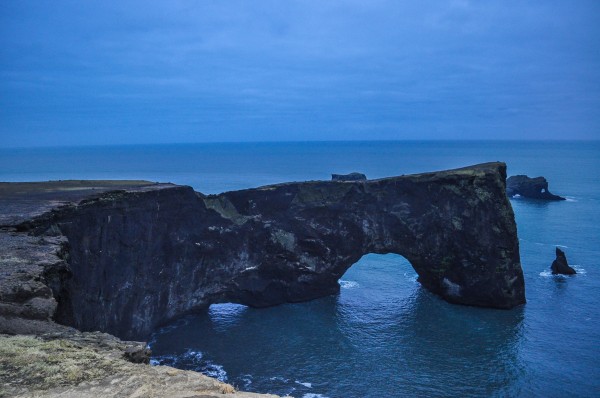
{"x": 75, "y": 73}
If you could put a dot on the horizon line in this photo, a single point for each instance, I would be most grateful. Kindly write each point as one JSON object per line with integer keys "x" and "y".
{"x": 448, "y": 140}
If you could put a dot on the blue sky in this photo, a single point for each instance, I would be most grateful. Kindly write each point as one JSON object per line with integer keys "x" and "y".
{"x": 97, "y": 72}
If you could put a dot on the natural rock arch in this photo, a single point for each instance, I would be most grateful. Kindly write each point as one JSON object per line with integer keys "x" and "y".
{"x": 142, "y": 256}
{"x": 455, "y": 228}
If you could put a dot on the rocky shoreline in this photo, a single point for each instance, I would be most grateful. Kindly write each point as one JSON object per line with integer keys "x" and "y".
{"x": 79, "y": 365}
{"x": 126, "y": 256}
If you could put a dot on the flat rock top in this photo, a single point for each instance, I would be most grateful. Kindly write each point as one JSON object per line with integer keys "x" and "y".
{"x": 21, "y": 201}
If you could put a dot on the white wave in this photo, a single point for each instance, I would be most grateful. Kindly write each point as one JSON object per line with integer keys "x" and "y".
{"x": 247, "y": 379}
{"x": 278, "y": 378}
{"x": 192, "y": 359}
{"x": 169, "y": 360}
{"x": 549, "y": 244}
{"x": 571, "y": 199}
{"x": 348, "y": 284}
{"x": 312, "y": 395}
{"x": 216, "y": 371}
{"x": 579, "y": 269}
{"x": 194, "y": 356}
{"x": 411, "y": 277}
{"x": 548, "y": 273}
{"x": 309, "y": 385}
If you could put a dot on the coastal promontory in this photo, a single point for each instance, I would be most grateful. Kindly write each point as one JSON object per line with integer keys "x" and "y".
{"x": 123, "y": 257}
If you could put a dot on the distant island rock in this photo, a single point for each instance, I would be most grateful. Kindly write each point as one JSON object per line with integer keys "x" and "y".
{"x": 349, "y": 177}
{"x": 527, "y": 187}
{"x": 560, "y": 264}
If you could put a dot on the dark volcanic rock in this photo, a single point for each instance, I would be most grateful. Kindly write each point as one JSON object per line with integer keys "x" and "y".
{"x": 138, "y": 354}
{"x": 534, "y": 188}
{"x": 29, "y": 265}
{"x": 560, "y": 265}
{"x": 146, "y": 254}
{"x": 349, "y": 177}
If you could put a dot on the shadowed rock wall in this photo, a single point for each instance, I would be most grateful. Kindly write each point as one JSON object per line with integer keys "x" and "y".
{"x": 141, "y": 257}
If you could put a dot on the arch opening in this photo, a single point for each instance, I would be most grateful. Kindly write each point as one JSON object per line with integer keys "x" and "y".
{"x": 389, "y": 276}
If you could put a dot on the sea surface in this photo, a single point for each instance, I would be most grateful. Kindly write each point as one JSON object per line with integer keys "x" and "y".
{"x": 383, "y": 335}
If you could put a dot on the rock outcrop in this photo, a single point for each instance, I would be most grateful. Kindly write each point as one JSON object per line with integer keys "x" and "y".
{"x": 125, "y": 258}
{"x": 62, "y": 361}
{"x": 533, "y": 188}
{"x": 80, "y": 365}
{"x": 560, "y": 264}
{"x": 349, "y": 177}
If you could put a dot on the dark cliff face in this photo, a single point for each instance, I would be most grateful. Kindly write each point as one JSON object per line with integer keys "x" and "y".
{"x": 141, "y": 257}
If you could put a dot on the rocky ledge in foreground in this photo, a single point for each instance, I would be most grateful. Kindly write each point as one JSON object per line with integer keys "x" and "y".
{"x": 89, "y": 365}
{"x": 527, "y": 187}
{"x": 125, "y": 257}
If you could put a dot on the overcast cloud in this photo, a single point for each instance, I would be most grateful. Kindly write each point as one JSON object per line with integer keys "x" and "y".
{"x": 86, "y": 72}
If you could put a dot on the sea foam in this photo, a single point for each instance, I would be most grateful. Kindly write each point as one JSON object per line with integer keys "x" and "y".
{"x": 309, "y": 385}
{"x": 548, "y": 273}
{"x": 348, "y": 284}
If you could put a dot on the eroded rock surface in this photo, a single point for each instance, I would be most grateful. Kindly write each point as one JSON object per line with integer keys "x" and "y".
{"x": 527, "y": 187}
{"x": 128, "y": 258}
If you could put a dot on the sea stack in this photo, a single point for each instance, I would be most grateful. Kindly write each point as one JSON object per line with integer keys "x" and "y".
{"x": 560, "y": 265}
{"x": 533, "y": 188}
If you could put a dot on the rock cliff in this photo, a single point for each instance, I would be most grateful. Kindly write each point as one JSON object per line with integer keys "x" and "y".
{"x": 124, "y": 257}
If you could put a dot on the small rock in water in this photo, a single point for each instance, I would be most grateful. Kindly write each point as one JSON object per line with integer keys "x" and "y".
{"x": 349, "y": 177}
{"x": 560, "y": 265}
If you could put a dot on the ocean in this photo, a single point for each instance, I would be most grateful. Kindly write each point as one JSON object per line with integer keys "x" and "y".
{"x": 383, "y": 335}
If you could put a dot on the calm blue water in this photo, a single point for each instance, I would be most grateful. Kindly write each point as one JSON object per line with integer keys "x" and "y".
{"x": 384, "y": 335}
